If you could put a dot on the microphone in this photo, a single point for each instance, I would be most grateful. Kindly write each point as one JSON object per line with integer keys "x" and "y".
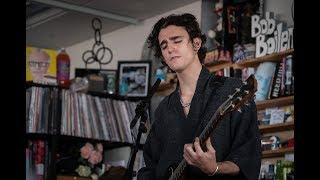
{"x": 142, "y": 105}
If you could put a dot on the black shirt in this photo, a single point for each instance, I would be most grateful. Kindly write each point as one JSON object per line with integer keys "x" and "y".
{"x": 236, "y": 138}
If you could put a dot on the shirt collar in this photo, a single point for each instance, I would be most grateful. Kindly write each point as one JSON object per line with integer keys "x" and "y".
{"x": 201, "y": 82}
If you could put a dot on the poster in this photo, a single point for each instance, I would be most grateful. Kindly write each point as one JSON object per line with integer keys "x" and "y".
{"x": 41, "y": 65}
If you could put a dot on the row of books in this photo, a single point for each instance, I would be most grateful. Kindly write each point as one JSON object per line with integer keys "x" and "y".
{"x": 41, "y": 108}
{"x": 275, "y": 79}
{"x": 37, "y": 160}
{"x": 276, "y": 115}
{"x": 95, "y": 117}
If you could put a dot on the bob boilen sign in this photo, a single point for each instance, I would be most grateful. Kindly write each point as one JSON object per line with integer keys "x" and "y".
{"x": 270, "y": 38}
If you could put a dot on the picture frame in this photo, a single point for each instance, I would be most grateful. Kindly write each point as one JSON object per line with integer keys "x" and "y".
{"x": 109, "y": 78}
{"x": 134, "y": 78}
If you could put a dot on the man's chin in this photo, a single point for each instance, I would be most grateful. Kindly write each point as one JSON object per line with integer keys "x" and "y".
{"x": 176, "y": 69}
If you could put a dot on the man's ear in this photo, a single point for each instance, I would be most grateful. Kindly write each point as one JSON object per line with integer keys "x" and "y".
{"x": 197, "y": 43}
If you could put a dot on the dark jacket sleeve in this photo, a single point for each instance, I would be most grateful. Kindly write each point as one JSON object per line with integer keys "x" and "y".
{"x": 151, "y": 152}
{"x": 246, "y": 146}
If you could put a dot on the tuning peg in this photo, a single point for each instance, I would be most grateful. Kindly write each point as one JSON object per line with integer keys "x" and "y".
{"x": 247, "y": 104}
{"x": 232, "y": 105}
{"x": 230, "y": 96}
{"x": 237, "y": 89}
{"x": 245, "y": 82}
{"x": 239, "y": 98}
{"x": 246, "y": 91}
{"x": 239, "y": 110}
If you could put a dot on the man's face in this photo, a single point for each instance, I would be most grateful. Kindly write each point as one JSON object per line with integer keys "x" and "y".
{"x": 39, "y": 64}
{"x": 176, "y": 47}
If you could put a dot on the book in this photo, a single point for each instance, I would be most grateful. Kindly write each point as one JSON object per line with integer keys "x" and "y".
{"x": 264, "y": 75}
{"x": 276, "y": 83}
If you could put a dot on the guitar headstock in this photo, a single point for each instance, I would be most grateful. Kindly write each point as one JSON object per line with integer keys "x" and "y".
{"x": 241, "y": 96}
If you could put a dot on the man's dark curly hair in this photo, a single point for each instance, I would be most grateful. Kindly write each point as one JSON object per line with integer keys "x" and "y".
{"x": 188, "y": 21}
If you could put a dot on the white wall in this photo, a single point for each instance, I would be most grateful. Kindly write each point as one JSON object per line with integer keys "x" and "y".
{"x": 281, "y": 8}
{"x": 125, "y": 43}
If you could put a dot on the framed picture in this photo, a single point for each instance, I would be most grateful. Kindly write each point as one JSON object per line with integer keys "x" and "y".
{"x": 108, "y": 83}
{"x": 133, "y": 78}
{"x": 110, "y": 77}
{"x": 41, "y": 65}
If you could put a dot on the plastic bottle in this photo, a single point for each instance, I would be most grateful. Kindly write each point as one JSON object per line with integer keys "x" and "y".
{"x": 63, "y": 68}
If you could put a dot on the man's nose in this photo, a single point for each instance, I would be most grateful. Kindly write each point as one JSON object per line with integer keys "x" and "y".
{"x": 170, "y": 48}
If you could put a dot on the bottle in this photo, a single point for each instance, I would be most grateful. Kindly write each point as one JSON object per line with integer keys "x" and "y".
{"x": 279, "y": 168}
{"x": 63, "y": 69}
{"x": 271, "y": 173}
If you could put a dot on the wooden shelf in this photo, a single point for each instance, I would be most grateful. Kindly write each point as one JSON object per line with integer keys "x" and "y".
{"x": 277, "y": 153}
{"x": 38, "y": 135}
{"x": 32, "y": 84}
{"x": 106, "y": 143}
{"x": 276, "y": 127}
{"x": 73, "y": 139}
{"x": 268, "y": 58}
{"x": 217, "y": 65}
{"x": 282, "y": 101}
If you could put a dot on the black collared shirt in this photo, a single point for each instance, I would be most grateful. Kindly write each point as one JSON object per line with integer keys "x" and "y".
{"x": 236, "y": 138}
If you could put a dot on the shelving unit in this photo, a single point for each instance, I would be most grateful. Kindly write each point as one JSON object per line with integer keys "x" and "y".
{"x": 37, "y": 135}
{"x": 268, "y": 58}
{"x": 277, "y": 153}
{"x": 56, "y": 139}
{"x": 217, "y": 65}
{"x": 69, "y": 138}
{"x": 282, "y": 101}
{"x": 276, "y": 127}
{"x": 106, "y": 144}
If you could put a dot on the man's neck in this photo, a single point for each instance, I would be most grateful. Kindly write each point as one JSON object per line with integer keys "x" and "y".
{"x": 188, "y": 79}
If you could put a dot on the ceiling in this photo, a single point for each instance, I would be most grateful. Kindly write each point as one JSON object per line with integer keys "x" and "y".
{"x": 54, "y": 26}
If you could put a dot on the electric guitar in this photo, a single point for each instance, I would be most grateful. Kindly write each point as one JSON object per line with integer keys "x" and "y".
{"x": 235, "y": 101}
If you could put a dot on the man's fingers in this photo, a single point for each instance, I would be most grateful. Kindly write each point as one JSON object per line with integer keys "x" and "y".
{"x": 188, "y": 149}
{"x": 209, "y": 145}
{"x": 187, "y": 158}
{"x": 197, "y": 146}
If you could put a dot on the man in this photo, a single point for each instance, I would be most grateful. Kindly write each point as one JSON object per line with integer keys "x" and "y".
{"x": 233, "y": 150}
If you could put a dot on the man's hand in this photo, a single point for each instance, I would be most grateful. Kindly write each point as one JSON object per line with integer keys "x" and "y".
{"x": 206, "y": 161}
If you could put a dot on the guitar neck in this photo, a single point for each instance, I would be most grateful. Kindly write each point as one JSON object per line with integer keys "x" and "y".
{"x": 203, "y": 136}
{"x": 179, "y": 170}
{"x": 239, "y": 97}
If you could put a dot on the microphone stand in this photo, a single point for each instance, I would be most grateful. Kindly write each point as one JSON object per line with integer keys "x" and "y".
{"x": 141, "y": 112}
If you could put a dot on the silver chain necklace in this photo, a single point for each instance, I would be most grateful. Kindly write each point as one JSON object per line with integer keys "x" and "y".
{"x": 184, "y": 105}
